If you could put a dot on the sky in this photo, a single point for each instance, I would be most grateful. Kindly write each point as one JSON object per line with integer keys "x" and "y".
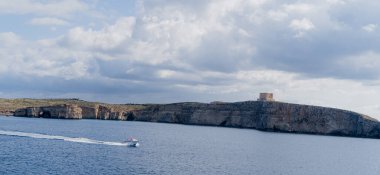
{"x": 324, "y": 53}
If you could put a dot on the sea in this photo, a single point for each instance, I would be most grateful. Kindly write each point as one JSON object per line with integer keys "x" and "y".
{"x": 52, "y": 146}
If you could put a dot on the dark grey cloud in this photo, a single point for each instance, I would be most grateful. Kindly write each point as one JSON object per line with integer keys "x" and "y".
{"x": 318, "y": 55}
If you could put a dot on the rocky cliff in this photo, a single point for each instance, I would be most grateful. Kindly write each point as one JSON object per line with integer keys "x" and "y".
{"x": 57, "y": 111}
{"x": 262, "y": 115}
{"x": 268, "y": 116}
{"x": 71, "y": 112}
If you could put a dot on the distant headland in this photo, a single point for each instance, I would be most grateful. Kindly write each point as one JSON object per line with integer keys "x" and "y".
{"x": 264, "y": 114}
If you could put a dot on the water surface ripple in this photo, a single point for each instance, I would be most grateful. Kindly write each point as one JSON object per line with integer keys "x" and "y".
{"x": 175, "y": 149}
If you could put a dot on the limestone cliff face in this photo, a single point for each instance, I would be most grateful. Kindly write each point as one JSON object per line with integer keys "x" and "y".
{"x": 106, "y": 113}
{"x": 71, "y": 112}
{"x": 58, "y": 111}
{"x": 262, "y": 115}
{"x": 271, "y": 116}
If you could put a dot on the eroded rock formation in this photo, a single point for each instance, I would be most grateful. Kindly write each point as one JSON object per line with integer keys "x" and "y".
{"x": 71, "y": 112}
{"x": 58, "y": 111}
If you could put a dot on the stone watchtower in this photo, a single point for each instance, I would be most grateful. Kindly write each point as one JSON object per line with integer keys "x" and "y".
{"x": 266, "y": 97}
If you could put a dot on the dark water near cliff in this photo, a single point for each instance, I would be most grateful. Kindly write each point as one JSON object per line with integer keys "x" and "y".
{"x": 177, "y": 149}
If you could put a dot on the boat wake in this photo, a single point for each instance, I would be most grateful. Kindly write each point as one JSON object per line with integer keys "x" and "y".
{"x": 68, "y": 139}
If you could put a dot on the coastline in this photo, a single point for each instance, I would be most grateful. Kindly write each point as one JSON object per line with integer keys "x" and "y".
{"x": 261, "y": 115}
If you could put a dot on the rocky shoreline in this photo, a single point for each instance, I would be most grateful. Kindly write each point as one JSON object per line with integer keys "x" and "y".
{"x": 261, "y": 115}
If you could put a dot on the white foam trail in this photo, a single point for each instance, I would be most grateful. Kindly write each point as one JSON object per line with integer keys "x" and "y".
{"x": 54, "y": 137}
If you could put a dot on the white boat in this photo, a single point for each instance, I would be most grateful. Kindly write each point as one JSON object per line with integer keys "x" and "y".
{"x": 132, "y": 142}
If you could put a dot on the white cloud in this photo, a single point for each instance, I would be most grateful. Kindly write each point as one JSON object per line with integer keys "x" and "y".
{"x": 166, "y": 73}
{"x": 48, "y": 21}
{"x": 9, "y": 39}
{"x": 40, "y": 59}
{"x": 301, "y": 24}
{"x": 367, "y": 62}
{"x": 108, "y": 38}
{"x": 301, "y": 8}
{"x": 340, "y": 2}
{"x": 370, "y": 27}
{"x": 277, "y": 15}
{"x": 55, "y": 8}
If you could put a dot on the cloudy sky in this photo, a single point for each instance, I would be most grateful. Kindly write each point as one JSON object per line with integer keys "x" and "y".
{"x": 323, "y": 52}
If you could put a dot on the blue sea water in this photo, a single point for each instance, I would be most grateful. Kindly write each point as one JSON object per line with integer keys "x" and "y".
{"x": 176, "y": 149}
